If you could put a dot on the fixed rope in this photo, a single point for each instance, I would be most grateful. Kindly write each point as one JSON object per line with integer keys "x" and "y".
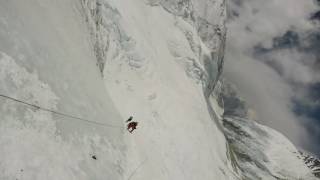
{"x": 60, "y": 113}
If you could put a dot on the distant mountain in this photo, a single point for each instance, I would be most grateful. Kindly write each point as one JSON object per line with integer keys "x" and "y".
{"x": 312, "y": 162}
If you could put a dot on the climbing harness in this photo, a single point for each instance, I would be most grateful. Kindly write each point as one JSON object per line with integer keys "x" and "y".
{"x": 59, "y": 113}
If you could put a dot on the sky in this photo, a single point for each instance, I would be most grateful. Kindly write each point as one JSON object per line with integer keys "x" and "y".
{"x": 273, "y": 58}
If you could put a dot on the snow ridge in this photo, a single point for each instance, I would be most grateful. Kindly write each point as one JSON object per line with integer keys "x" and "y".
{"x": 259, "y": 151}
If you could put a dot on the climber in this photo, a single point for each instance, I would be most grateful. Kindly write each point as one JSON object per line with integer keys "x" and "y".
{"x": 131, "y": 125}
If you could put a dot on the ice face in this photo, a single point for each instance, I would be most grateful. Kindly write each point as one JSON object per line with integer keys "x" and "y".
{"x": 103, "y": 61}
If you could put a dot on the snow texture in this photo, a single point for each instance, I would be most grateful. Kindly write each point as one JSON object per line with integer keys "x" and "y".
{"x": 46, "y": 59}
{"x": 105, "y": 60}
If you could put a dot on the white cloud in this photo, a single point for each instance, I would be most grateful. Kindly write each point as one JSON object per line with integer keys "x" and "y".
{"x": 292, "y": 65}
{"x": 261, "y": 20}
{"x": 268, "y": 92}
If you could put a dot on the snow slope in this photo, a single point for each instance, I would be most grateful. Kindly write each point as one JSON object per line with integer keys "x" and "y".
{"x": 312, "y": 162}
{"x": 154, "y": 70}
{"x": 263, "y": 153}
{"x": 104, "y": 60}
{"x": 258, "y": 151}
{"x": 161, "y": 61}
{"x": 46, "y": 59}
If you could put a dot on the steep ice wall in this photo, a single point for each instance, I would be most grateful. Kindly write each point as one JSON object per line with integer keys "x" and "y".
{"x": 161, "y": 60}
{"x": 46, "y": 59}
{"x": 158, "y": 60}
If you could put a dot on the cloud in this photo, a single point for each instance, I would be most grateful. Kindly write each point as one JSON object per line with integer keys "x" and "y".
{"x": 266, "y": 92}
{"x": 269, "y": 57}
{"x": 292, "y": 67}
